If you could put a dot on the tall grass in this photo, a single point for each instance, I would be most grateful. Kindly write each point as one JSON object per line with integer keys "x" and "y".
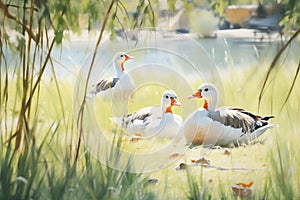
{"x": 45, "y": 171}
{"x": 279, "y": 178}
{"x": 39, "y": 140}
{"x": 43, "y": 167}
{"x": 37, "y": 125}
{"x": 40, "y": 144}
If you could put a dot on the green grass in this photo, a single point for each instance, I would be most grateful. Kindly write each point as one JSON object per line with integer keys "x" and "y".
{"x": 45, "y": 169}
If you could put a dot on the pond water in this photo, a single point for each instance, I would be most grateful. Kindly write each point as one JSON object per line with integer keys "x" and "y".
{"x": 221, "y": 53}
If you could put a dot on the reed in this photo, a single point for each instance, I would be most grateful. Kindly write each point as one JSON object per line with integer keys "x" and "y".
{"x": 44, "y": 167}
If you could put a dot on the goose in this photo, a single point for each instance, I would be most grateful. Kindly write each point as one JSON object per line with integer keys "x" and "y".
{"x": 122, "y": 86}
{"x": 154, "y": 121}
{"x": 222, "y": 126}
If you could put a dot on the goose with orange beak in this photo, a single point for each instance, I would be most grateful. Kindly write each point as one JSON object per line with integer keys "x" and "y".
{"x": 122, "y": 83}
{"x": 154, "y": 121}
{"x": 221, "y": 126}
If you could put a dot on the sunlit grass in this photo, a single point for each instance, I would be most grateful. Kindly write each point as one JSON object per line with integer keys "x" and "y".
{"x": 46, "y": 171}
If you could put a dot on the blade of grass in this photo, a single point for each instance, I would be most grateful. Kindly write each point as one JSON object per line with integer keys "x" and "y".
{"x": 273, "y": 65}
{"x": 80, "y": 114}
{"x": 291, "y": 88}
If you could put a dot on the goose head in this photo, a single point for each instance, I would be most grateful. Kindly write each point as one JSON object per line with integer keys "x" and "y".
{"x": 168, "y": 101}
{"x": 119, "y": 60}
{"x": 209, "y": 93}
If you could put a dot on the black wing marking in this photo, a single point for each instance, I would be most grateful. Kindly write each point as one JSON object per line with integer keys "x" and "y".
{"x": 239, "y": 118}
{"x": 104, "y": 84}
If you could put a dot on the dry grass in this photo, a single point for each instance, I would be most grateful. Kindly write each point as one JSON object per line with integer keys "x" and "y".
{"x": 272, "y": 166}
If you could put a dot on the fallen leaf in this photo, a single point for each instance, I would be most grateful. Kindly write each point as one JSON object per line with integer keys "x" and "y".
{"x": 174, "y": 155}
{"x": 135, "y": 139}
{"x": 181, "y": 166}
{"x": 227, "y": 152}
{"x": 244, "y": 185}
{"x": 241, "y": 192}
{"x": 203, "y": 161}
{"x": 138, "y": 134}
{"x": 242, "y": 189}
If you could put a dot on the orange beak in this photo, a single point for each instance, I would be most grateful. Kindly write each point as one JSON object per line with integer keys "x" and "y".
{"x": 128, "y": 57}
{"x": 195, "y": 95}
{"x": 174, "y": 102}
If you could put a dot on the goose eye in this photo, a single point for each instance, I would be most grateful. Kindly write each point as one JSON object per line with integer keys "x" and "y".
{"x": 122, "y": 56}
{"x": 167, "y": 96}
{"x": 206, "y": 89}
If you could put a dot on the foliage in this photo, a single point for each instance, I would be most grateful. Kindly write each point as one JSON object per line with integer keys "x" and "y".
{"x": 37, "y": 131}
{"x": 46, "y": 171}
{"x": 41, "y": 173}
{"x": 29, "y": 31}
{"x": 292, "y": 14}
{"x": 219, "y": 6}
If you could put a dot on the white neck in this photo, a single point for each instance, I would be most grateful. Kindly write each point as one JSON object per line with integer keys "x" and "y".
{"x": 163, "y": 109}
{"x": 212, "y": 103}
{"x": 118, "y": 69}
{"x": 166, "y": 117}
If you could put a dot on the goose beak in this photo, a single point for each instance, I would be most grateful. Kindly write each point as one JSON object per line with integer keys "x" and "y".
{"x": 195, "y": 95}
{"x": 174, "y": 102}
{"x": 127, "y": 57}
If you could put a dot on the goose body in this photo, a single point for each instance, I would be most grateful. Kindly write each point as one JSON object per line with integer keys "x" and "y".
{"x": 221, "y": 126}
{"x": 121, "y": 86}
{"x": 153, "y": 121}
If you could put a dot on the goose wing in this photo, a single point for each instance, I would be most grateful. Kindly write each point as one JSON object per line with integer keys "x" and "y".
{"x": 104, "y": 84}
{"x": 237, "y": 118}
{"x": 139, "y": 119}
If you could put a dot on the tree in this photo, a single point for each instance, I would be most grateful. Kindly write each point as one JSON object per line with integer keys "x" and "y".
{"x": 31, "y": 21}
{"x": 36, "y": 19}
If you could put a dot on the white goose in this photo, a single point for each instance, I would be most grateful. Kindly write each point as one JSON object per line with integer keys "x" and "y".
{"x": 222, "y": 126}
{"x": 122, "y": 85}
{"x": 154, "y": 121}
